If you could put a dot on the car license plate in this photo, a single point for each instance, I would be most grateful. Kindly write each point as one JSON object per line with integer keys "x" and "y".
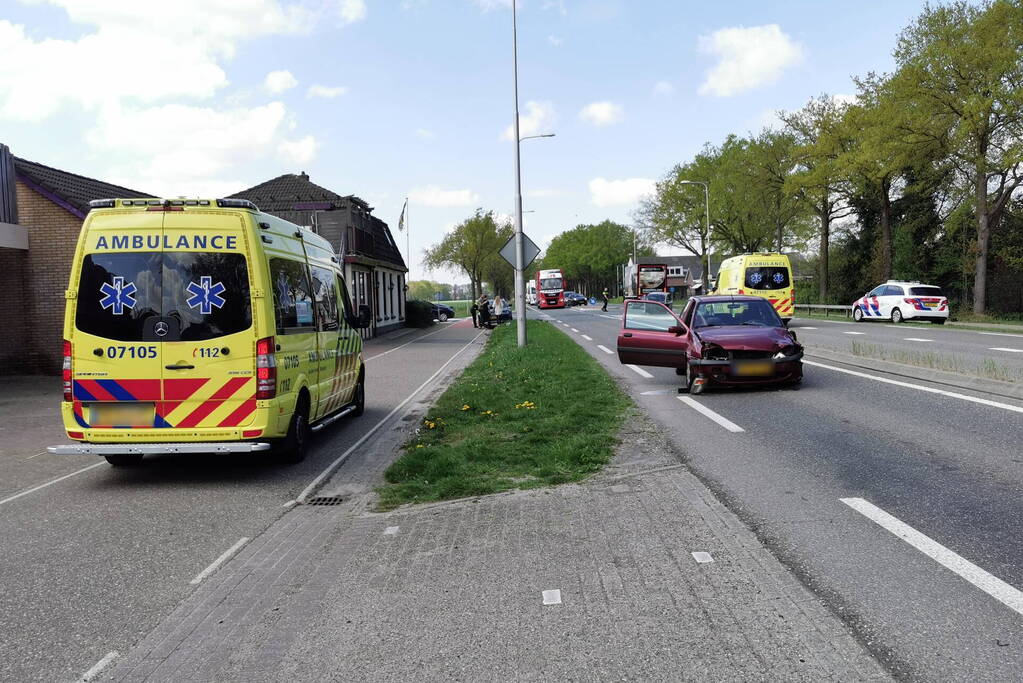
{"x": 753, "y": 369}
{"x": 128, "y": 414}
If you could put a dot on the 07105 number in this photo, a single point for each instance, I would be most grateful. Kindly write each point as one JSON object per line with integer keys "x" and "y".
{"x": 131, "y": 352}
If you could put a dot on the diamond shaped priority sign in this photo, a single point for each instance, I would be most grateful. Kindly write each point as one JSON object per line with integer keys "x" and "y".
{"x": 529, "y": 251}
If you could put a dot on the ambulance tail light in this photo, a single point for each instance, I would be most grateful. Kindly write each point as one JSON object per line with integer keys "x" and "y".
{"x": 266, "y": 369}
{"x": 66, "y": 371}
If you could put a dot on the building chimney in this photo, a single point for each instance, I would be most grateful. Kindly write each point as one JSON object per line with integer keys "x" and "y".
{"x": 8, "y": 192}
{"x": 303, "y": 175}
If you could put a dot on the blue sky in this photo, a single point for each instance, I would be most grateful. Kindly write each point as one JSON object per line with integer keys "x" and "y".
{"x": 396, "y": 98}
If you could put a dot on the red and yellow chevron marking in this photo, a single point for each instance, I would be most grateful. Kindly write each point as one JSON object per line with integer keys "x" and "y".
{"x": 783, "y": 306}
{"x": 193, "y": 403}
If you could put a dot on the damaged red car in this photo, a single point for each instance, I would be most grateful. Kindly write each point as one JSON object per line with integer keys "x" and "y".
{"x": 721, "y": 340}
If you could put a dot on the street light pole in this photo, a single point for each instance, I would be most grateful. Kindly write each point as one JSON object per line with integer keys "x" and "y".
{"x": 706, "y": 197}
{"x": 520, "y": 256}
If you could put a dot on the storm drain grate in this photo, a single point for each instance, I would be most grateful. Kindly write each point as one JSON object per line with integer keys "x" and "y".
{"x": 326, "y": 500}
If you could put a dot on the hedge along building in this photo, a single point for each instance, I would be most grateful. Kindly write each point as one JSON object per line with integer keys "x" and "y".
{"x": 41, "y": 214}
{"x": 373, "y": 266}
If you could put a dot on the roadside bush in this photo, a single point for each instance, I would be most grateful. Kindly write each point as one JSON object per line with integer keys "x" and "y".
{"x": 418, "y": 313}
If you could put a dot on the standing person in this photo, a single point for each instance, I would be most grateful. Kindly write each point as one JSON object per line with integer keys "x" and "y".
{"x": 498, "y": 307}
{"x": 475, "y": 311}
{"x": 484, "y": 305}
{"x": 604, "y": 296}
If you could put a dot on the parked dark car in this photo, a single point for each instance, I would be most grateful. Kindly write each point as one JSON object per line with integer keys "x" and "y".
{"x": 442, "y": 311}
{"x": 575, "y": 299}
{"x": 726, "y": 340}
{"x": 663, "y": 297}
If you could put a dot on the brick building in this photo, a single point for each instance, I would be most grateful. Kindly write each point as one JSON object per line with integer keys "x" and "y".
{"x": 41, "y": 214}
{"x": 374, "y": 269}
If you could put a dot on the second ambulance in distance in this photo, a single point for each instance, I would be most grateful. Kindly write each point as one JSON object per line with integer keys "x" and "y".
{"x": 204, "y": 325}
{"x": 765, "y": 274}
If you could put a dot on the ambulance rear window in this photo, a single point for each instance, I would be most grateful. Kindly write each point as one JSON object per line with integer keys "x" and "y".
{"x": 767, "y": 277}
{"x": 199, "y": 295}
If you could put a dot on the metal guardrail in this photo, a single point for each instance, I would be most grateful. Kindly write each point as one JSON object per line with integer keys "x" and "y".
{"x": 826, "y": 308}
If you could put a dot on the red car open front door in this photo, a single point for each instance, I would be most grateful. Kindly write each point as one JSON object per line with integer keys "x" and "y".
{"x": 645, "y": 338}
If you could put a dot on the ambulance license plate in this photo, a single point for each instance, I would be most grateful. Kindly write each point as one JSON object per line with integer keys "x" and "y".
{"x": 127, "y": 414}
{"x": 753, "y": 369}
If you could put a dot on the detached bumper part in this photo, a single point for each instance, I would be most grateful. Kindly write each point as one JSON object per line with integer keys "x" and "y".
{"x": 104, "y": 449}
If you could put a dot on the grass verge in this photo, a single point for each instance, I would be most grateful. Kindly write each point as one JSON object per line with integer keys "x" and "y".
{"x": 988, "y": 368}
{"x": 522, "y": 418}
{"x": 972, "y": 326}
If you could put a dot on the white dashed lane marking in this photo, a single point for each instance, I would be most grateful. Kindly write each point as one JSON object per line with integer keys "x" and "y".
{"x": 639, "y": 371}
{"x": 990, "y": 584}
{"x": 605, "y": 349}
{"x": 587, "y": 337}
{"x": 704, "y": 410}
{"x": 852, "y": 333}
{"x": 1003, "y": 348}
{"x": 575, "y": 330}
{"x": 920, "y": 339}
{"x": 552, "y": 597}
{"x": 702, "y": 557}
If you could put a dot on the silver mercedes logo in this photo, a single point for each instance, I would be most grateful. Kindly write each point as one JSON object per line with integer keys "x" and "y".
{"x": 161, "y": 329}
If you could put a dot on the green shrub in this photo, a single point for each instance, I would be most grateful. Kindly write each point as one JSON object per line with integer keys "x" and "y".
{"x": 418, "y": 313}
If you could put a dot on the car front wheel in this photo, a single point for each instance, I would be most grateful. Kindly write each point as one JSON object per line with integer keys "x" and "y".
{"x": 442, "y": 316}
{"x": 896, "y": 316}
{"x": 858, "y": 314}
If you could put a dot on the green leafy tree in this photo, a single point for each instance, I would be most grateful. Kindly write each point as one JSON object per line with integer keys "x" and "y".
{"x": 590, "y": 255}
{"x": 428, "y": 289}
{"x": 960, "y": 75}
{"x": 470, "y": 247}
{"x": 819, "y": 181}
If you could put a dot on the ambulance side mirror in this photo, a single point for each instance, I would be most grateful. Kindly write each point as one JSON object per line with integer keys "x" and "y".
{"x": 365, "y": 317}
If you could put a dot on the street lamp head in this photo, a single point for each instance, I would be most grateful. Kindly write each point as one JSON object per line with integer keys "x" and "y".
{"x": 542, "y": 135}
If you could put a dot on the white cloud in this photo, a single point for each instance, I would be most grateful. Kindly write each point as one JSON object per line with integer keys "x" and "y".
{"x": 554, "y": 40}
{"x": 844, "y": 100}
{"x": 432, "y": 195}
{"x": 352, "y": 11}
{"x": 556, "y": 5}
{"x": 663, "y": 88}
{"x": 208, "y": 145}
{"x": 424, "y": 134}
{"x": 538, "y": 118}
{"x": 277, "y": 82}
{"x": 605, "y": 192}
{"x": 602, "y": 113}
{"x": 326, "y": 91}
{"x": 300, "y": 151}
{"x": 747, "y": 58}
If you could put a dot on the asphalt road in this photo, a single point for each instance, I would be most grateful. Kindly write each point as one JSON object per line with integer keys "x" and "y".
{"x": 93, "y": 561}
{"x": 948, "y": 467}
{"x": 997, "y": 352}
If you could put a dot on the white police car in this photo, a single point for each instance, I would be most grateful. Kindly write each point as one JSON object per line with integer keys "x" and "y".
{"x": 899, "y": 300}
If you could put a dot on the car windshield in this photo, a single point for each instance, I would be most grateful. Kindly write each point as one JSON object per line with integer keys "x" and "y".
{"x": 753, "y": 312}
{"x": 926, "y": 291}
{"x": 550, "y": 283}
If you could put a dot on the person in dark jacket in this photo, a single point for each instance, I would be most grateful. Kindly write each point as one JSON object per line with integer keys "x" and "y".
{"x": 605, "y": 297}
{"x": 475, "y": 311}
{"x": 484, "y": 306}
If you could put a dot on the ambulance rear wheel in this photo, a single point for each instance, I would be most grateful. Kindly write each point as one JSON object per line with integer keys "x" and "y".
{"x": 293, "y": 447}
{"x": 123, "y": 460}
{"x": 360, "y": 396}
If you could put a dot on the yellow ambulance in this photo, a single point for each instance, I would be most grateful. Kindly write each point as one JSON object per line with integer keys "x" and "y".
{"x": 766, "y": 274}
{"x": 204, "y": 326}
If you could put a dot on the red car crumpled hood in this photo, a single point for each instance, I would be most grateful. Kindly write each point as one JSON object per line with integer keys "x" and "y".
{"x": 746, "y": 337}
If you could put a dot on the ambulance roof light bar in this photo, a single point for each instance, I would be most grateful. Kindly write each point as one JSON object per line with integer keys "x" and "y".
{"x": 237, "y": 204}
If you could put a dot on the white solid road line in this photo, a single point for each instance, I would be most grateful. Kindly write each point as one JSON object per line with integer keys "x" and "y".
{"x": 918, "y": 387}
{"x": 990, "y": 584}
{"x": 587, "y": 337}
{"x": 301, "y": 498}
{"x": 700, "y": 408}
{"x": 219, "y": 561}
{"x": 98, "y": 667}
{"x": 998, "y": 334}
{"x": 917, "y": 339}
{"x": 612, "y": 317}
{"x": 50, "y": 483}
{"x": 605, "y": 349}
{"x": 639, "y": 371}
{"x": 1003, "y": 348}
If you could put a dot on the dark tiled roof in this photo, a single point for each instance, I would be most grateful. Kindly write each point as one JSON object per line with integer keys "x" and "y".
{"x": 75, "y": 190}
{"x": 284, "y": 192}
{"x": 295, "y": 192}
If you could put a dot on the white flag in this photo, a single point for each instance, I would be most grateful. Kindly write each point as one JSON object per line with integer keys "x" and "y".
{"x": 401, "y": 219}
